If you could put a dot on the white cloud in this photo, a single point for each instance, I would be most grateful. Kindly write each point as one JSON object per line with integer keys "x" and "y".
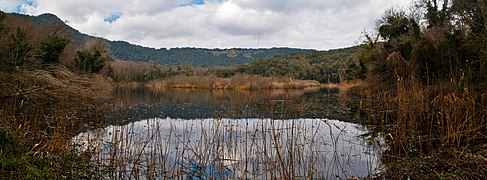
{"x": 317, "y": 24}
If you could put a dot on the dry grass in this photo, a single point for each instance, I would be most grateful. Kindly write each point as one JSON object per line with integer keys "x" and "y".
{"x": 43, "y": 109}
{"x": 55, "y": 82}
{"x": 425, "y": 121}
{"x": 345, "y": 87}
{"x": 237, "y": 82}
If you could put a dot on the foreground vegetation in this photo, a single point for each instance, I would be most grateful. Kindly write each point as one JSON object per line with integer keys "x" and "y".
{"x": 426, "y": 89}
{"x": 48, "y": 94}
{"x": 41, "y": 110}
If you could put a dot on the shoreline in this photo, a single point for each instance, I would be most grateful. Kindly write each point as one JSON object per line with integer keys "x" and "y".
{"x": 245, "y": 82}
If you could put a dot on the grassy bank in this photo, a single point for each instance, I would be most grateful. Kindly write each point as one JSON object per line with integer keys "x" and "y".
{"x": 41, "y": 110}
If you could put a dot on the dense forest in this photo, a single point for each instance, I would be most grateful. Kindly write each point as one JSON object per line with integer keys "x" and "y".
{"x": 195, "y": 56}
{"x": 331, "y": 66}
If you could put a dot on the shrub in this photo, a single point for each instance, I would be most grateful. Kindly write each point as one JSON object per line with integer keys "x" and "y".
{"x": 19, "y": 49}
{"x": 52, "y": 48}
{"x": 93, "y": 57}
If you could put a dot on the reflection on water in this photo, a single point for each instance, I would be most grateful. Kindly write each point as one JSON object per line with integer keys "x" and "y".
{"x": 136, "y": 104}
{"x": 130, "y": 96}
{"x": 207, "y": 134}
{"x": 165, "y": 148}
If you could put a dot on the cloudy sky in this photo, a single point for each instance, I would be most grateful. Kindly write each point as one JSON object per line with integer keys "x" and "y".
{"x": 315, "y": 24}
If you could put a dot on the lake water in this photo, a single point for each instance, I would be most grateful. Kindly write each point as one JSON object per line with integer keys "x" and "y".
{"x": 207, "y": 134}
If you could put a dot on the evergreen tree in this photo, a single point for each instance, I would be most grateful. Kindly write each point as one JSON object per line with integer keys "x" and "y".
{"x": 52, "y": 49}
{"x": 19, "y": 49}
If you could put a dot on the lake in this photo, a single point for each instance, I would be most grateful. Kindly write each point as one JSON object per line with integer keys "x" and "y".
{"x": 223, "y": 134}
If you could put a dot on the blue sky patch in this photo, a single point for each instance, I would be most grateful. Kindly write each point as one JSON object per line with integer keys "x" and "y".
{"x": 194, "y": 2}
{"x": 198, "y": 2}
{"x": 29, "y": 3}
{"x": 18, "y": 8}
{"x": 113, "y": 17}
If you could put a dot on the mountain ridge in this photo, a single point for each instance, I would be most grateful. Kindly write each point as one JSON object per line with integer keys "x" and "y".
{"x": 203, "y": 57}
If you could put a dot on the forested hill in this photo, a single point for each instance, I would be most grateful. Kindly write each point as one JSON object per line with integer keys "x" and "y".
{"x": 175, "y": 56}
{"x": 325, "y": 66}
{"x": 195, "y": 56}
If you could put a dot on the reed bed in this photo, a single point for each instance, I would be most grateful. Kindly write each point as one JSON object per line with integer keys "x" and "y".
{"x": 344, "y": 87}
{"x": 434, "y": 130}
{"x": 233, "y": 149}
{"x": 236, "y": 82}
{"x": 40, "y": 111}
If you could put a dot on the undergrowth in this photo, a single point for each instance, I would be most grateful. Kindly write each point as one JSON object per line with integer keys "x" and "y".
{"x": 434, "y": 131}
{"x": 41, "y": 110}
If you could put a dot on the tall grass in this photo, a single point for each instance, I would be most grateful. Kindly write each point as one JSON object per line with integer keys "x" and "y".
{"x": 233, "y": 149}
{"x": 42, "y": 109}
{"x": 441, "y": 122}
{"x": 236, "y": 82}
{"x": 39, "y": 149}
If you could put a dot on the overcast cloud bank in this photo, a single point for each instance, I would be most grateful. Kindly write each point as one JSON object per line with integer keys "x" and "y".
{"x": 314, "y": 24}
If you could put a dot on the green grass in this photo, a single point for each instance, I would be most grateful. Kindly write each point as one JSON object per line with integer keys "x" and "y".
{"x": 15, "y": 164}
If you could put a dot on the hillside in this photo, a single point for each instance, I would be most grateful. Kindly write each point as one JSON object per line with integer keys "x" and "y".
{"x": 325, "y": 66}
{"x": 176, "y": 56}
{"x": 194, "y": 56}
{"x": 53, "y": 24}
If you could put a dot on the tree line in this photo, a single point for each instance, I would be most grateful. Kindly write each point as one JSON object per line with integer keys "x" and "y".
{"x": 324, "y": 66}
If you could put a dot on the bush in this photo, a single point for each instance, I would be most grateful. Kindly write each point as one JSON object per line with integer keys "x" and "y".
{"x": 19, "y": 50}
{"x": 52, "y": 49}
{"x": 93, "y": 57}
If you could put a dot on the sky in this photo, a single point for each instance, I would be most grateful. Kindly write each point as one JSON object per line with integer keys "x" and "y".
{"x": 310, "y": 24}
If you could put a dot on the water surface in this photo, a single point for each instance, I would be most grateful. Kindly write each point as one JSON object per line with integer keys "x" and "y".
{"x": 205, "y": 134}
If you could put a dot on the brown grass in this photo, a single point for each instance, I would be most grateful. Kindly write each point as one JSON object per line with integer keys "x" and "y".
{"x": 44, "y": 108}
{"x": 426, "y": 125}
{"x": 55, "y": 82}
{"x": 237, "y": 82}
{"x": 344, "y": 87}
